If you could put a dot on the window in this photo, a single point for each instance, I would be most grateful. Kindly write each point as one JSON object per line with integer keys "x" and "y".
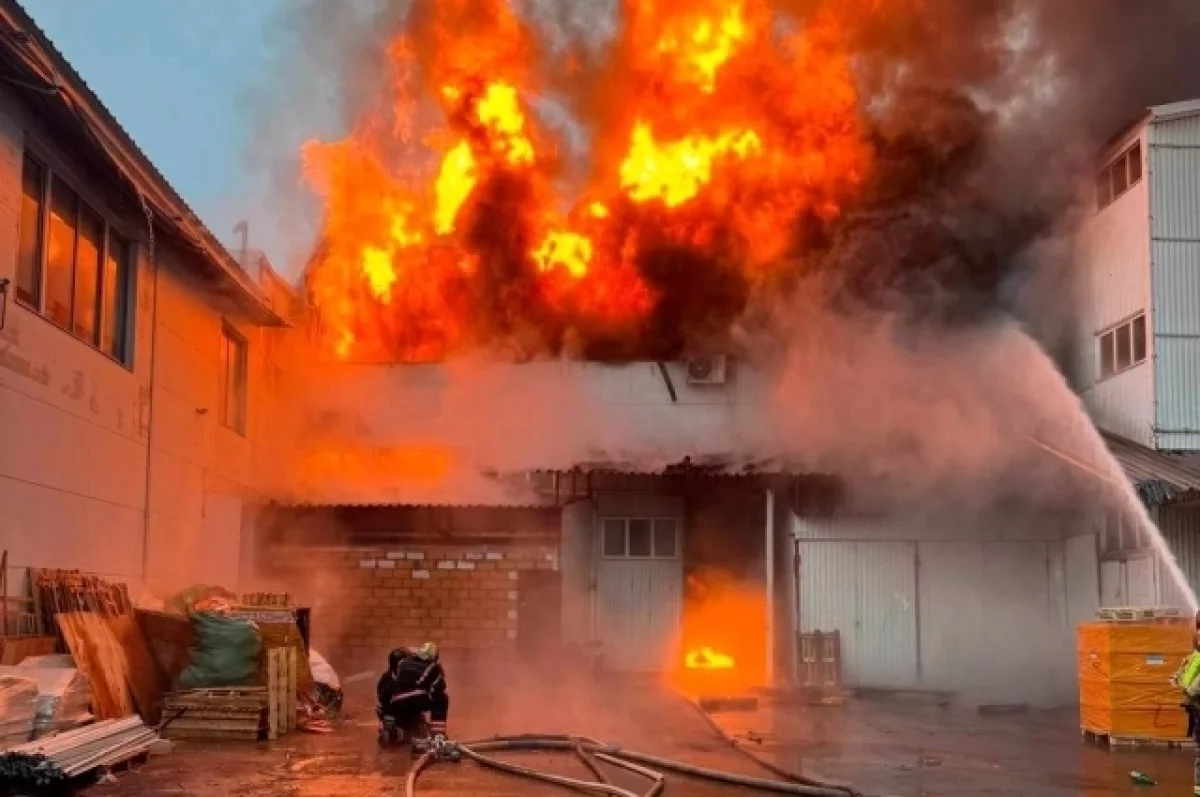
{"x": 1123, "y": 346}
{"x": 1119, "y": 176}
{"x": 640, "y": 538}
{"x": 233, "y": 379}
{"x": 72, "y": 267}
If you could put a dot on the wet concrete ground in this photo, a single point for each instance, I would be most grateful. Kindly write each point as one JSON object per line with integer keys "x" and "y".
{"x": 896, "y": 748}
{"x": 349, "y": 762}
{"x": 915, "y": 749}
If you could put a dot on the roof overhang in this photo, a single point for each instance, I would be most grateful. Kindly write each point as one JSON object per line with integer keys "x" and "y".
{"x": 1159, "y": 477}
{"x": 49, "y": 83}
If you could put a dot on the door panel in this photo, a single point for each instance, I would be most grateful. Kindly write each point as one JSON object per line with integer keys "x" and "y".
{"x": 867, "y": 591}
{"x": 639, "y": 613}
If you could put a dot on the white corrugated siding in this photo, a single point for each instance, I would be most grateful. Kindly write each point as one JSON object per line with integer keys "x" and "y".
{"x": 1179, "y": 132}
{"x": 1175, "y": 198}
{"x": 968, "y": 590}
{"x": 1175, "y": 232}
{"x": 1180, "y": 527}
{"x": 867, "y": 591}
{"x": 639, "y": 611}
{"x": 1115, "y": 248}
{"x": 1177, "y": 373}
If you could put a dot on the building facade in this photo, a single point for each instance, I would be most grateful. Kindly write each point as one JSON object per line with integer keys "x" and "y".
{"x": 1138, "y": 350}
{"x": 133, "y": 351}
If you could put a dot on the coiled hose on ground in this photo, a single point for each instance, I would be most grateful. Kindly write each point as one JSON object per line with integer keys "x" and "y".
{"x": 643, "y": 764}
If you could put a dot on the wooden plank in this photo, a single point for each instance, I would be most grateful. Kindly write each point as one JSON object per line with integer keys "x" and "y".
{"x": 143, "y": 675}
{"x": 169, "y": 639}
{"x": 274, "y": 707}
{"x": 100, "y": 658}
{"x": 289, "y": 695}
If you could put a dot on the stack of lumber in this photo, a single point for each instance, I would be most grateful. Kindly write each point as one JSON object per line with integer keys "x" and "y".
{"x": 60, "y": 758}
{"x": 1125, "y": 669}
{"x": 238, "y": 713}
{"x": 96, "y": 624}
{"x": 18, "y": 707}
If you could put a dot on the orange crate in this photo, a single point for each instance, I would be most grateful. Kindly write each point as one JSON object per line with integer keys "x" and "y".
{"x": 1125, "y": 674}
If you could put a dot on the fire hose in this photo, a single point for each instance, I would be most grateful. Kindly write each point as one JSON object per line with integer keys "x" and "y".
{"x": 648, "y": 766}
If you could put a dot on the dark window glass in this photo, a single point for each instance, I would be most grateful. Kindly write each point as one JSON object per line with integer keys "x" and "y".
{"x": 614, "y": 538}
{"x": 639, "y": 538}
{"x": 29, "y": 251}
{"x": 1106, "y": 354}
{"x": 665, "y": 539}
{"x": 1120, "y": 179}
{"x": 60, "y": 255}
{"x": 1124, "y": 335}
{"x": 1135, "y": 164}
{"x": 87, "y": 276}
{"x": 1139, "y": 339}
{"x": 233, "y": 380}
{"x": 118, "y": 287}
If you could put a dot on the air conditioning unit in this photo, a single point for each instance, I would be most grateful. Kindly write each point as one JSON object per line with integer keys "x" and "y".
{"x": 710, "y": 370}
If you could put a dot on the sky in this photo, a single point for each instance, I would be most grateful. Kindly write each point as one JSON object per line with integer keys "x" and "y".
{"x": 176, "y": 74}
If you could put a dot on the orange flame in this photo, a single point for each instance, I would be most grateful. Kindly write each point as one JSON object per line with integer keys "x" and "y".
{"x": 728, "y": 123}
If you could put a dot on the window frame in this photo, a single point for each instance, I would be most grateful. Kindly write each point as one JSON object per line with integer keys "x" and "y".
{"x": 1106, "y": 191}
{"x": 652, "y": 522}
{"x": 1109, "y": 342}
{"x": 85, "y": 203}
{"x": 235, "y": 341}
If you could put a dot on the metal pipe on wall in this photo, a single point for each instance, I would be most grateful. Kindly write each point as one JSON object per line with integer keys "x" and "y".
{"x": 770, "y": 602}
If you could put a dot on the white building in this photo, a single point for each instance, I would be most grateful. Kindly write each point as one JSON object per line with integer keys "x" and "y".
{"x": 133, "y": 347}
{"x": 1138, "y": 350}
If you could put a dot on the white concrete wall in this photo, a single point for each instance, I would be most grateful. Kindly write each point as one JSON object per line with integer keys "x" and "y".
{"x": 1115, "y": 269}
{"x": 78, "y": 430}
{"x": 984, "y": 609}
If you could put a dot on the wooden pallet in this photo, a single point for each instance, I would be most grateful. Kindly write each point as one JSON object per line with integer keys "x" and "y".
{"x": 1114, "y": 741}
{"x": 237, "y": 713}
{"x": 281, "y": 691}
{"x": 1134, "y": 614}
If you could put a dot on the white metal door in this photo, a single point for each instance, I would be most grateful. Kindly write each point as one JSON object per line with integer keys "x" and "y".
{"x": 639, "y": 597}
{"x": 867, "y": 591}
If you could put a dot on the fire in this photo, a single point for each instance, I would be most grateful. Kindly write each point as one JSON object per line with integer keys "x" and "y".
{"x": 677, "y": 171}
{"x": 564, "y": 249}
{"x": 451, "y": 218}
{"x": 706, "y": 658}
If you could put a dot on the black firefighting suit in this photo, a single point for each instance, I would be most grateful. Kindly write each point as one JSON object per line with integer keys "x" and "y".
{"x": 413, "y": 685}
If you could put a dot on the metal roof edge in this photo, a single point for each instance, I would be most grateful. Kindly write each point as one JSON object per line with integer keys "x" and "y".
{"x": 1174, "y": 110}
{"x": 129, "y": 159}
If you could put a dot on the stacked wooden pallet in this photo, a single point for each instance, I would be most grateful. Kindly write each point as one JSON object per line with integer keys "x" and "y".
{"x": 246, "y": 713}
{"x": 239, "y": 713}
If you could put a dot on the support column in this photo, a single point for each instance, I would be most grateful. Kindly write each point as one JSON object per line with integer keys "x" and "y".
{"x": 770, "y": 588}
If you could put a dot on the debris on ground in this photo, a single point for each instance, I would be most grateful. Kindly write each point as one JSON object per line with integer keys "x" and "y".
{"x": 18, "y": 708}
{"x": 59, "y": 759}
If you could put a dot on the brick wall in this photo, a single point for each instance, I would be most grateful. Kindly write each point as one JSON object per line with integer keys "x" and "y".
{"x": 366, "y": 601}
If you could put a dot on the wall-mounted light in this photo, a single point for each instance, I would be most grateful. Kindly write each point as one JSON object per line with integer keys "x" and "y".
{"x": 3, "y": 300}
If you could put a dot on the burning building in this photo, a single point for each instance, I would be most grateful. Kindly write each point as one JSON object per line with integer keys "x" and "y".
{"x": 701, "y": 306}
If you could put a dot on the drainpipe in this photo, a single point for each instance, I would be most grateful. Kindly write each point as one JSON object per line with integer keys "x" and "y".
{"x": 770, "y": 609}
{"x": 152, "y": 256}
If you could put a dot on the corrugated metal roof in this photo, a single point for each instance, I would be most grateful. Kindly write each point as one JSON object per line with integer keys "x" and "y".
{"x": 1158, "y": 476}
{"x": 69, "y": 90}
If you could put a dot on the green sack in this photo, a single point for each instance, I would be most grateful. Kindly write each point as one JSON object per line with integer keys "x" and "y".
{"x": 225, "y": 652}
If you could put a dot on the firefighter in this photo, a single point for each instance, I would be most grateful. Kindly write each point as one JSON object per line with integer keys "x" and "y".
{"x": 1188, "y": 680}
{"x": 415, "y": 683}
